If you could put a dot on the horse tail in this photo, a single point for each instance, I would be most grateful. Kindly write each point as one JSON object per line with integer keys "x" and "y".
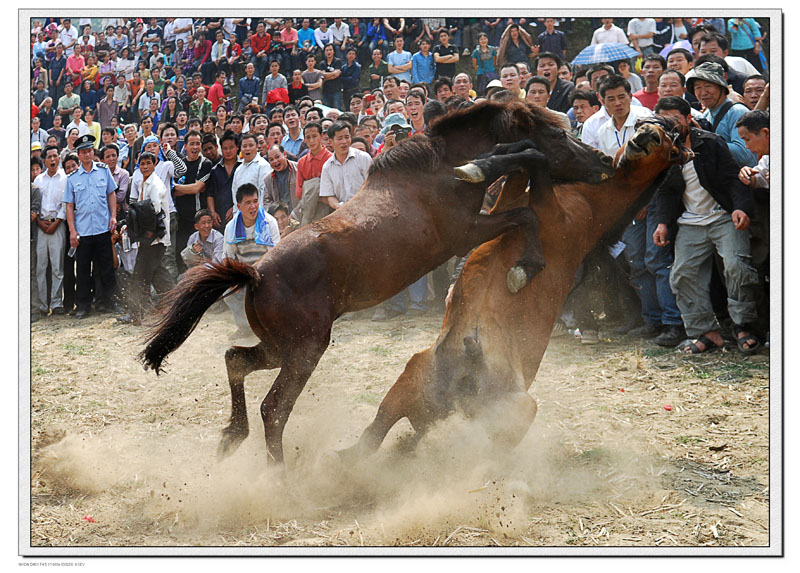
{"x": 180, "y": 310}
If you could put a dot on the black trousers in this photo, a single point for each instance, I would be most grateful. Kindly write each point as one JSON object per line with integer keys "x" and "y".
{"x": 181, "y": 238}
{"x": 148, "y": 259}
{"x": 94, "y": 250}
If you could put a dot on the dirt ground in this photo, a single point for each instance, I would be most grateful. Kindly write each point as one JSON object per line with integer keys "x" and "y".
{"x": 633, "y": 445}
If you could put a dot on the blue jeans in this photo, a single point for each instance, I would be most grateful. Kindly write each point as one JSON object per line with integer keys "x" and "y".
{"x": 332, "y": 100}
{"x": 650, "y": 267}
{"x": 411, "y": 298}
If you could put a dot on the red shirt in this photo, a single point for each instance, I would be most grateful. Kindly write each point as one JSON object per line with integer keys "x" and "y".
{"x": 202, "y": 51}
{"x": 258, "y": 43}
{"x": 310, "y": 166}
{"x": 34, "y": 110}
{"x": 648, "y": 99}
{"x": 215, "y": 94}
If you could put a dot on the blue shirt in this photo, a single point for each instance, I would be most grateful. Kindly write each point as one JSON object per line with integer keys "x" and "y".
{"x": 304, "y": 36}
{"x": 727, "y": 131}
{"x": 248, "y": 89}
{"x": 291, "y": 145}
{"x": 395, "y": 59}
{"x": 351, "y": 76}
{"x": 422, "y": 69}
{"x": 743, "y": 36}
{"x": 88, "y": 191}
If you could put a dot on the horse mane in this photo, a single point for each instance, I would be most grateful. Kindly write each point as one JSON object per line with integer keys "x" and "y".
{"x": 415, "y": 153}
{"x": 508, "y": 122}
{"x": 505, "y": 120}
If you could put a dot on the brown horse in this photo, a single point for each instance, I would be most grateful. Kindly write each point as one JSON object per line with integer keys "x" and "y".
{"x": 410, "y": 216}
{"x": 492, "y": 341}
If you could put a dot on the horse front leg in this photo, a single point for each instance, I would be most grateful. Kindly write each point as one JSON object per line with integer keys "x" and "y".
{"x": 279, "y": 401}
{"x": 502, "y": 159}
{"x": 241, "y": 361}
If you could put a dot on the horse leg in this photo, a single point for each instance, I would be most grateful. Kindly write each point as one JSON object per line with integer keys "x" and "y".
{"x": 404, "y": 399}
{"x": 487, "y": 227}
{"x": 508, "y": 418}
{"x": 280, "y": 400}
{"x": 506, "y": 148}
{"x": 241, "y": 361}
{"x": 503, "y": 158}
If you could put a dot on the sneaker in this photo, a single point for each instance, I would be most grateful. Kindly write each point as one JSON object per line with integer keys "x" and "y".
{"x": 671, "y": 336}
{"x": 589, "y": 337}
{"x": 648, "y": 330}
{"x": 59, "y": 310}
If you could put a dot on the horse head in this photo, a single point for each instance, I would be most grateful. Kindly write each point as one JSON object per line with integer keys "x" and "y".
{"x": 657, "y": 141}
{"x": 474, "y": 130}
{"x": 569, "y": 159}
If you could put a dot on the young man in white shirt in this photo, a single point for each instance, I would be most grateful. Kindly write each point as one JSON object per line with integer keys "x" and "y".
{"x": 649, "y": 266}
{"x": 253, "y": 169}
{"x": 248, "y": 235}
{"x": 608, "y": 32}
{"x": 345, "y": 172}
{"x": 151, "y": 248}
{"x": 51, "y": 235}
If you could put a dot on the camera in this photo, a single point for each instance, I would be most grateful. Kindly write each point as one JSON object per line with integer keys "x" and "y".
{"x": 400, "y": 132}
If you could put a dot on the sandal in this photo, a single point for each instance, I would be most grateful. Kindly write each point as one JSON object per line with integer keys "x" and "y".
{"x": 691, "y": 346}
{"x": 750, "y": 339}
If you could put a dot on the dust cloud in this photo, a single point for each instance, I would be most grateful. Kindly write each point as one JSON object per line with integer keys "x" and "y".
{"x": 453, "y": 480}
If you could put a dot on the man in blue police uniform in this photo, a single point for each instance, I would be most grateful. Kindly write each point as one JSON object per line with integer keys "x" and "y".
{"x": 91, "y": 206}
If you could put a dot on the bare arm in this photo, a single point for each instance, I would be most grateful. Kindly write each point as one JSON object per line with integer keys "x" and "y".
{"x": 190, "y": 188}
{"x": 73, "y": 234}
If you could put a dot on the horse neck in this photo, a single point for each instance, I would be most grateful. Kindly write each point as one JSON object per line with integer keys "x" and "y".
{"x": 610, "y": 200}
{"x": 457, "y": 149}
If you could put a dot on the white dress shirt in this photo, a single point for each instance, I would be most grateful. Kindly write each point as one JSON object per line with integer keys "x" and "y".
{"x": 255, "y": 171}
{"x": 611, "y": 139}
{"x": 52, "y": 189}
{"x": 342, "y": 180}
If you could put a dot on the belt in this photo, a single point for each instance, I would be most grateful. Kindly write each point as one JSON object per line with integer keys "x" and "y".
{"x": 50, "y": 220}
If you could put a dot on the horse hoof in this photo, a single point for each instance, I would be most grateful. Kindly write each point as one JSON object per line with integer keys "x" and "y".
{"x": 470, "y": 173}
{"x": 516, "y": 279}
{"x": 229, "y": 443}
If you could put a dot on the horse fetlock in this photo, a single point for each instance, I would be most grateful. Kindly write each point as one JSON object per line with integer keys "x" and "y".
{"x": 232, "y": 437}
{"x": 470, "y": 173}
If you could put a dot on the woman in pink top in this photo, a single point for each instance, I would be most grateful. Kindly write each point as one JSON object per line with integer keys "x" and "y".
{"x": 75, "y": 65}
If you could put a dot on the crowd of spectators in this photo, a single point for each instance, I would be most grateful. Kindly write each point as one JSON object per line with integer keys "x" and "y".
{"x": 161, "y": 143}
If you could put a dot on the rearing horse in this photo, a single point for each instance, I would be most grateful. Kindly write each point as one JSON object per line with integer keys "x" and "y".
{"x": 410, "y": 216}
{"x": 492, "y": 341}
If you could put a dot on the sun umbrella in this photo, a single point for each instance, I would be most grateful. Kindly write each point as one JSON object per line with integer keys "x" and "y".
{"x": 685, "y": 44}
{"x": 602, "y": 53}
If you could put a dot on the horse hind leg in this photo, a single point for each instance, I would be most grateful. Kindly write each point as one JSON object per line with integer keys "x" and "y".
{"x": 404, "y": 400}
{"x": 241, "y": 361}
{"x": 296, "y": 369}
